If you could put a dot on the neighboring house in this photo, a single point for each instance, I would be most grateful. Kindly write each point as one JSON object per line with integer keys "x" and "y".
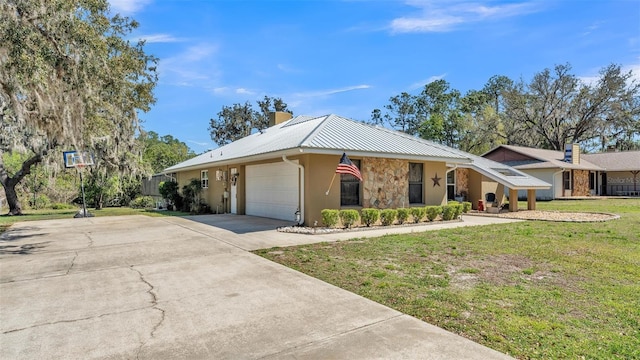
{"x": 288, "y": 171}
{"x": 620, "y": 172}
{"x": 570, "y": 173}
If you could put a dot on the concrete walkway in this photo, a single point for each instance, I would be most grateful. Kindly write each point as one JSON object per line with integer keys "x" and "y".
{"x": 173, "y": 288}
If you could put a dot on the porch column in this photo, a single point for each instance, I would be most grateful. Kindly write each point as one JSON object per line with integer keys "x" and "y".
{"x": 531, "y": 199}
{"x": 513, "y": 200}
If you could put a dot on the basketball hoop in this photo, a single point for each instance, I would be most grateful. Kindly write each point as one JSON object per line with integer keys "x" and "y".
{"x": 79, "y": 160}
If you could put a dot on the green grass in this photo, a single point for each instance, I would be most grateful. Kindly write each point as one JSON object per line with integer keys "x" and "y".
{"x": 49, "y": 214}
{"x": 534, "y": 290}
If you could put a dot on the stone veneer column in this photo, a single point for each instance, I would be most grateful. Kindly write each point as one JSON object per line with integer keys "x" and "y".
{"x": 385, "y": 183}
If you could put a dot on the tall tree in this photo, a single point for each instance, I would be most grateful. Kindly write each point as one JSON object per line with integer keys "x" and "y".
{"x": 69, "y": 77}
{"x": 240, "y": 120}
{"x": 160, "y": 152}
{"x": 482, "y": 127}
{"x": 439, "y": 107}
{"x": 400, "y": 114}
{"x": 556, "y": 107}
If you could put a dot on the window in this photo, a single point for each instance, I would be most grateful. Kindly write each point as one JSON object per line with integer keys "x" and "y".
{"x": 415, "y": 183}
{"x": 204, "y": 178}
{"x": 451, "y": 185}
{"x": 350, "y": 188}
{"x": 592, "y": 180}
{"x": 566, "y": 179}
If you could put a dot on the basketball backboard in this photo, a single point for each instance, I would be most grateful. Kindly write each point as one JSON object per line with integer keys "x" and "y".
{"x": 76, "y": 158}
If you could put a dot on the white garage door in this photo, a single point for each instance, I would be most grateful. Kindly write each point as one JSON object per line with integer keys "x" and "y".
{"x": 272, "y": 190}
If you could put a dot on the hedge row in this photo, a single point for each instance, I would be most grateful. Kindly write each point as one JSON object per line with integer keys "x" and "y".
{"x": 368, "y": 216}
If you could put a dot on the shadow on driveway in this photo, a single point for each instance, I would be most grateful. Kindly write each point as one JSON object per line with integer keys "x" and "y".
{"x": 239, "y": 224}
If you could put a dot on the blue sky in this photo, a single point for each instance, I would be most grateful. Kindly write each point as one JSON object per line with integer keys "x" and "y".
{"x": 348, "y": 57}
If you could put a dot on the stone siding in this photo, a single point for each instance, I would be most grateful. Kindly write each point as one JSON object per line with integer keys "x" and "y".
{"x": 462, "y": 182}
{"x": 581, "y": 183}
{"x": 385, "y": 183}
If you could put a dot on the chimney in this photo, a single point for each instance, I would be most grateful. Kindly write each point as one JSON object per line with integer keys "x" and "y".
{"x": 575, "y": 151}
{"x": 278, "y": 117}
{"x": 572, "y": 153}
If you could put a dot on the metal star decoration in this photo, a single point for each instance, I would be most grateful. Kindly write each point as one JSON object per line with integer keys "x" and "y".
{"x": 436, "y": 180}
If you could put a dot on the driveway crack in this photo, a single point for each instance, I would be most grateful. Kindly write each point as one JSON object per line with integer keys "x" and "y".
{"x": 73, "y": 261}
{"x": 88, "y": 235}
{"x": 154, "y": 305}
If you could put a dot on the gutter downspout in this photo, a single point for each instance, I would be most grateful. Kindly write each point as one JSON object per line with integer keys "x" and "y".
{"x": 301, "y": 201}
{"x": 554, "y": 183}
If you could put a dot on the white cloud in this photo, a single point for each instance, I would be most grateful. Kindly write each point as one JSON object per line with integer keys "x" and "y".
{"x": 420, "y": 84}
{"x": 332, "y": 91}
{"x": 193, "y": 67}
{"x": 158, "y": 38}
{"x": 287, "y": 68}
{"x": 244, "y": 91}
{"x": 128, "y": 7}
{"x": 442, "y": 16}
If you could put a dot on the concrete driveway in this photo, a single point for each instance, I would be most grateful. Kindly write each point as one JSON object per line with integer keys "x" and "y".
{"x": 173, "y": 288}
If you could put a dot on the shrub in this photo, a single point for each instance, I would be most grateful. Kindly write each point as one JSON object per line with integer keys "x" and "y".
{"x": 142, "y": 202}
{"x": 62, "y": 206}
{"x": 370, "y": 216}
{"x": 330, "y": 217}
{"x": 417, "y": 213}
{"x": 388, "y": 216}
{"x": 41, "y": 201}
{"x": 457, "y": 210}
{"x": 447, "y": 212}
{"x": 466, "y": 206}
{"x": 433, "y": 212}
{"x": 349, "y": 217}
{"x": 403, "y": 215}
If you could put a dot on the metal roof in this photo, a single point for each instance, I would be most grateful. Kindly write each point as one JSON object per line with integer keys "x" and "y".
{"x": 616, "y": 161}
{"x": 547, "y": 159}
{"x": 328, "y": 134}
{"x": 333, "y": 134}
{"x": 504, "y": 174}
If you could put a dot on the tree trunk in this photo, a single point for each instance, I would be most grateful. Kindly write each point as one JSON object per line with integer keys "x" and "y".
{"x": 12, "y": 198}
{"x": 9, "y": 182}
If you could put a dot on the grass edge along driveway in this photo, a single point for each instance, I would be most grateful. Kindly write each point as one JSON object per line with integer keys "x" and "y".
{"x": 533, "y": 290}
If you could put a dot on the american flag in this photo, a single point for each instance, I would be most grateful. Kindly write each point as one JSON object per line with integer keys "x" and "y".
{"x": 347, "y": 167}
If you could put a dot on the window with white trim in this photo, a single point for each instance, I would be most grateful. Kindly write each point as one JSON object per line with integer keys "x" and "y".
{"x": 204, "y": 179}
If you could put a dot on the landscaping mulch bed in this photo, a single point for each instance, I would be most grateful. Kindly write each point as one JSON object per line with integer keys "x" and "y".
{"x": 562, "y": 216}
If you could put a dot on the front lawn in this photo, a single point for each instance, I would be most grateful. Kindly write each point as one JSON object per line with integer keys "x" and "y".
{"x": 533, "y": 290}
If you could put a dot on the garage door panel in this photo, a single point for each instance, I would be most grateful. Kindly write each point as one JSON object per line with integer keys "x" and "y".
{"x": 272, "y": 190}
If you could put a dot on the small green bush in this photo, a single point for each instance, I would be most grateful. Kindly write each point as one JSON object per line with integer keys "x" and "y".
{"x": 403, "y": 215}
{"x": 370, "y": 216}
{"x": 62, "y": 206}
{"x": 388, "y": 216}
{"x": 448, "y": 211}
{"x": 417, "y": 214}
{"x": 466, "y": 206}
{"x": 457, "y": 210}
{"x": 330, "y": 217}
{"x": 41, "y": 201}
{"x": 349, "y": 217}
{"x": 142, "y": 202}
{"x": 433, "y": 212}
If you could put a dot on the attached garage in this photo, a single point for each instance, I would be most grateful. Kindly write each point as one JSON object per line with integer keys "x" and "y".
{"x": 272, "y": 190}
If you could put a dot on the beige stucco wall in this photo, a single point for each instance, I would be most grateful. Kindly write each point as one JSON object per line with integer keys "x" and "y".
{"x": 480, "y": 185}
{"x": 390, "y": 176}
